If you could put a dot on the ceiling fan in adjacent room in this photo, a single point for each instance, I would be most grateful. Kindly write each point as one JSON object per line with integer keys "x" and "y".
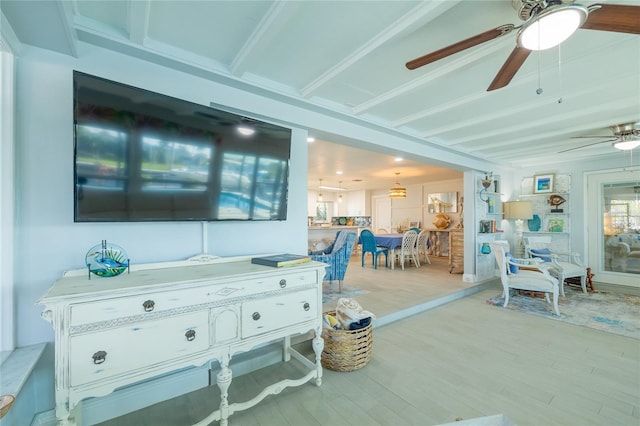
{"x": 625, "y": 137}
{"x": 547, "y": 24}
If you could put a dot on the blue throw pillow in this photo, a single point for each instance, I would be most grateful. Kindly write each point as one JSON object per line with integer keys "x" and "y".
{"x": 513, "y": 269}
{"x": 535, "y": 252}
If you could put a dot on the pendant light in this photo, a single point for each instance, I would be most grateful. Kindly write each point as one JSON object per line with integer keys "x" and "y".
{"x": 320, "y": 193}
{"x": 397, "y": 191}
{"x": 340, "y": 188}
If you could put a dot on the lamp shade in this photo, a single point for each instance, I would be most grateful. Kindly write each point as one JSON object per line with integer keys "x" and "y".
{"x": 518, "y": 210}
{"x": 398, "y": 191}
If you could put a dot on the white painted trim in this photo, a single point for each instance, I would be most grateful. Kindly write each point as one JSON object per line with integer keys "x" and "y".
{"x": 7, "y": 201}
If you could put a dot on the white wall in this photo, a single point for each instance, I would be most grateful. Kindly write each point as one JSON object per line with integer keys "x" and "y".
{"x": 47, "y": 241}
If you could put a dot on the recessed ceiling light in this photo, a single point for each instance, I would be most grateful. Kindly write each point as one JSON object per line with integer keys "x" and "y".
{"x": 398, "y": 159}
{"x": 311, "y": 139}
{"x": 339, "y": 172}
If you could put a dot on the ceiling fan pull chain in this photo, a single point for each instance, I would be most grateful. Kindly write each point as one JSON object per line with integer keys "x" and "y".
{"x": 539, "y": 89}
{"x": 560, "y": 71}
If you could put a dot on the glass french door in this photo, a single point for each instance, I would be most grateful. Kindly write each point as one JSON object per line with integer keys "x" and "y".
{"x": 613, "y": 218}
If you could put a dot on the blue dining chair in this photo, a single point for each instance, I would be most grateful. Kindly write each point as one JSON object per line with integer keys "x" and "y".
{"x": 368, "y": 241}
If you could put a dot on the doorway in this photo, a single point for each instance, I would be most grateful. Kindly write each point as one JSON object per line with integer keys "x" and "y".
{"x": 613, "y": 223}
{"x": 381, "y": 213}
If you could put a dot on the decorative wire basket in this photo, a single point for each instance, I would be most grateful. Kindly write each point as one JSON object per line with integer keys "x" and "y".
{"x": 346, "y": 350}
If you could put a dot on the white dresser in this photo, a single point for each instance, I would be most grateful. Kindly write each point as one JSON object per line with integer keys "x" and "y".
{"x": 112, "y": 332}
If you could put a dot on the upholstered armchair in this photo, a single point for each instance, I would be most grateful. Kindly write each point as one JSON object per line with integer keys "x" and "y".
{"x": 561, "y": 265}
{"x": 524, "y": 274}
{"x": 336, "y": 256}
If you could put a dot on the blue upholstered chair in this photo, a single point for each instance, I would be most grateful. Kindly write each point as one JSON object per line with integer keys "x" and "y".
{"x": 337, "y": 259}
{"x": 369, "y": 246}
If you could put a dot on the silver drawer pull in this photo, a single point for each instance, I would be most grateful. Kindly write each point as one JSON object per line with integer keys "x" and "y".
{"x": 99, "y": 357}
{"x": 306, "y": 306}
{"x": 190, "y": 335}
{"x": 283, "y": 283}
{"x": 149, "y": 305}
{"x": 255, "y": 316}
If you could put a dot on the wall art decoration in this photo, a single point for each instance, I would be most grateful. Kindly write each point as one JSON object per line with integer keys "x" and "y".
{"x": 543, "y": 184}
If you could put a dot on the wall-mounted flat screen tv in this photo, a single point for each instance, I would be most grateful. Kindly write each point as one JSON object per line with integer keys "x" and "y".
{"x": 143, "y": 156}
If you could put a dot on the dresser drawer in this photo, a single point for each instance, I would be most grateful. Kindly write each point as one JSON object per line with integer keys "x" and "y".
{"x": 272, "y": 313}
{"x": 120, "y": 307}
{"x": 284, "y": 280}
{"x": 107, "y": 353}
{"x": 140, "y": 304}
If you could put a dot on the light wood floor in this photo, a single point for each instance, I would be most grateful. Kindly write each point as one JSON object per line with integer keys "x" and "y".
{"x": 392, "y": 290}
{"x": 465, "y": 359}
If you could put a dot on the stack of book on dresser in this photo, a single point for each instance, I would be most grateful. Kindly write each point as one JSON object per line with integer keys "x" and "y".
{"x": 281, "y": 260}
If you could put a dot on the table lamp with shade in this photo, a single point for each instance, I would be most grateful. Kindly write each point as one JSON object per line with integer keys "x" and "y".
{"x": 518, "y": 211}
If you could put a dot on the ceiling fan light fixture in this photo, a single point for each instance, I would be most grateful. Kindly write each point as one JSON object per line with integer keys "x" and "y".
{"x": 552, "y": 26}
{"x": 627, "y": 143}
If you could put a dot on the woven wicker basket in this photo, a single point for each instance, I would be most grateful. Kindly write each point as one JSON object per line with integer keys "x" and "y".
{"x": 5, "y": 403}
{"x": 346, "y": 350}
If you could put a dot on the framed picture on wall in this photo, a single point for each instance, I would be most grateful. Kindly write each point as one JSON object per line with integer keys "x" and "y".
{"x": 543, "y": 184}
{"x": 414, "y": 224}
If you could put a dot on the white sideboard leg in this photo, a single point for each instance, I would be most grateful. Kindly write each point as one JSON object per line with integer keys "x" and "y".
{"x": 286, "y": 355}
{"x": 318, "y": 346}
{"x": 63, "y": 414}
{"x": 223, "y": 379}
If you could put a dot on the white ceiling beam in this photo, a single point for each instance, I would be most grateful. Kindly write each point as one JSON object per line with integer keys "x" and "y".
{"x": 433, "y": 9}
{"x": 442, "y": 71}
{"x": 138, "y": 18}
{"x": 266, "y": 24}
{"x": 515, "y": 114}
{"x": 520, "y": 81}
{"x": 503, "y": 135}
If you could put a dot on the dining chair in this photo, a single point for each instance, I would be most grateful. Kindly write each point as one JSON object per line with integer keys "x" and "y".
{"x": 368, "y": 241}
{"x": 382, "y": 231}
{"x": 524, "y": 274}
{"x": 407, "y": 251}
{"x": 421, "y": 246}
{"x": 562, "y": 265}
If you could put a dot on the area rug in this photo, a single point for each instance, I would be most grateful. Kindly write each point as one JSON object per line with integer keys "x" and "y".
{"x": 331, "y": 291}
{"x": 605, "y": 311}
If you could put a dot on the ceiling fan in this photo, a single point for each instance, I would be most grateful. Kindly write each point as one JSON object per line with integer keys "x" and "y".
{"x": 547, "y": 24}
{"x": 626, "y": 137}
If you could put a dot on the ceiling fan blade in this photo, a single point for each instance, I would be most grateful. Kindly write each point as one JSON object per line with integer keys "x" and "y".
{"x": 584, "y": 146}
{"x": 614, "y": 17}
{"x": 509, "y": 68}
{"x": 590, "y": 137}
{"x": 459, "y": 46}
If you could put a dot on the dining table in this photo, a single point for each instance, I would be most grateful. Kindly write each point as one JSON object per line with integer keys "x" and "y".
{"x": 391, "y": 241}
